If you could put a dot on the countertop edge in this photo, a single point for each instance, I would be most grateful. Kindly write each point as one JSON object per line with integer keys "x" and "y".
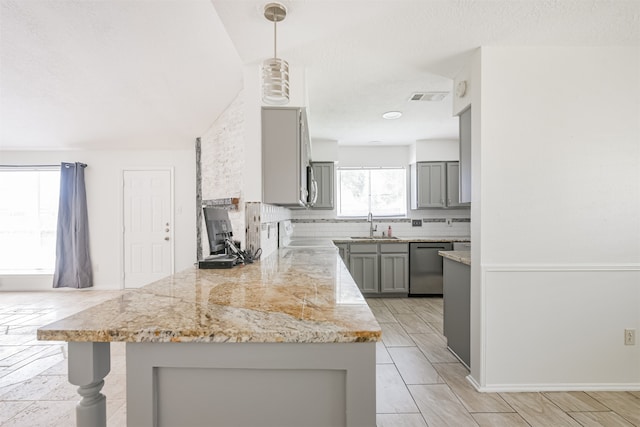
{"x": 439, "y": 239}
{"x": 463, "y": 257}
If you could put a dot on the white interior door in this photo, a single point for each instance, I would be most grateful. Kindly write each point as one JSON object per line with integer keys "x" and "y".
{"x": 148, "y": 236}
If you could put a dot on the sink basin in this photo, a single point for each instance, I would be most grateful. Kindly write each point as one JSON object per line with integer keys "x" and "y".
{"x": 373, "y": 238}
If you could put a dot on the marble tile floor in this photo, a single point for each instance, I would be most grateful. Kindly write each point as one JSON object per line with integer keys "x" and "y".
{"x": 419, "y": 383}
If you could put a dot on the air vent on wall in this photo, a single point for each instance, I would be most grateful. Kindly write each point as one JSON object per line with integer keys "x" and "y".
{"x": 428, "y": 96}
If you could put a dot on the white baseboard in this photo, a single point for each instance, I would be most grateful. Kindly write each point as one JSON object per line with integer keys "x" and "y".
{"x": 515, "y": 388}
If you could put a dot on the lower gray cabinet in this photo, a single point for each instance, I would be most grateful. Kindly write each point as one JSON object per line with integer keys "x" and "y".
{"x": 343, "y": 251}
{"x": 457, "y": 309}
{"x": 364, "y": 270}
{"x": 379, "y": 268}
{"x": 394, "y": 267}
{"x": 394, "y": 273}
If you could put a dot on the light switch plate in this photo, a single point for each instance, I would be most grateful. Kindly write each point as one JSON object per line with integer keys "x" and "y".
{"x": 416, "y": 223}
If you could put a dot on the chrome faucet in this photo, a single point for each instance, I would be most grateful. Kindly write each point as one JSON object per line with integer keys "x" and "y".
{"x": 372, "y": 228}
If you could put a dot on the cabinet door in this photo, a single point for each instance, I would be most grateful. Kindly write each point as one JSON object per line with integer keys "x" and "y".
{"x": 465, "y": 156}
{"x": 343, "y": 251}
{"x": 457, "y": 306}
{"x": 394, "y": 273}
{"x": 283, "y": 173}
{"x": 431, "y": 184}
{"x": 364, "y": 270}
{"x": 453, "y": 184}
{"x": 324, "y": 174}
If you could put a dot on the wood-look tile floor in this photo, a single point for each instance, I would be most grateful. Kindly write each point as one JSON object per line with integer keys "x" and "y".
{"x": 419, "y": 382}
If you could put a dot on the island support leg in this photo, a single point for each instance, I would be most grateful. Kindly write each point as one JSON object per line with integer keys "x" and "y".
{"x": 89, "y": 363}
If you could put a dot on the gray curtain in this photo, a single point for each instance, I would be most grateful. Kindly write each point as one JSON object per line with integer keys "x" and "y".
{"x": 73, "y": 262}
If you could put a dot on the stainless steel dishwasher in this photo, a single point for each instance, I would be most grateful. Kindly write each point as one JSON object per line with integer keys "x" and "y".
{"x": 425, "y": 268}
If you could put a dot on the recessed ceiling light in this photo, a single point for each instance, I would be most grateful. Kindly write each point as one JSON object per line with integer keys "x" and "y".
{"x": 392, "y": 115}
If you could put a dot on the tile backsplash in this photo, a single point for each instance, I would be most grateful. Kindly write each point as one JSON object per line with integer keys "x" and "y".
{"x": 262, "y": 226}
{"x": 431, "y": 227}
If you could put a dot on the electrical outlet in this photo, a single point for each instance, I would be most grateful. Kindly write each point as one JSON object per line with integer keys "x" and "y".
{"x": 629, "y": 337}
{"x": 448, "y": 221}
{"x": 416, "y": 223}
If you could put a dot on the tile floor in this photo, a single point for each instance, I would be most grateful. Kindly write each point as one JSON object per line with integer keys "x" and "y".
{"x": 419, "y": 383}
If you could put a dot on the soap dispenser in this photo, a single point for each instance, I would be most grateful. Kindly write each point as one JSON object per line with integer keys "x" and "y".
{"x": 389, "y": 232}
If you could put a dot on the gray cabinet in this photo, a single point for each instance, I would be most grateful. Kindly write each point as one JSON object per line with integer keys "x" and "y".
{"x": 394, "y": 268}
{"x": 428, "y": 187}
{"x": 324, "y": 173}
{"x": 457, "y": 306}
{"x": 435, "y": 185}
{"x": 379, "y": 268}
{"x": 285, "y": 156}
{"x": 465, "y": 155}
{"x": 453, "y": 184}
{"x": 343, "y": 251}
{"x": 363, "y": 266}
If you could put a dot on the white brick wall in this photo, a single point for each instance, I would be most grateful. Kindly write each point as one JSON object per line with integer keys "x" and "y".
{"x": 222, "y": 163}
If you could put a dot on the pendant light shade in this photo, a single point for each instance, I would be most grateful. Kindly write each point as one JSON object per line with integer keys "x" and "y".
{"x": 275, "y": 71}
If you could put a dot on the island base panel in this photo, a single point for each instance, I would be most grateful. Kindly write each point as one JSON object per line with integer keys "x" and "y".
{"x": 252, "y": 384}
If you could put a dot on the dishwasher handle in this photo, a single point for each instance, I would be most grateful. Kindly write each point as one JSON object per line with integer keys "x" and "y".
{"x": 439, "y": 247}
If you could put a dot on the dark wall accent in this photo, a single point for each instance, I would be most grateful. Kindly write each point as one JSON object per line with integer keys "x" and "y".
{"x": 198, "y": 199}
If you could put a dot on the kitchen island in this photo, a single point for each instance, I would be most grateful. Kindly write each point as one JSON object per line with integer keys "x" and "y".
{"x": 287, "y": 341}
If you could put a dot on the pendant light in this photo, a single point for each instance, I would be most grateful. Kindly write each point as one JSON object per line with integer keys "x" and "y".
{"x": 275, "y": 71}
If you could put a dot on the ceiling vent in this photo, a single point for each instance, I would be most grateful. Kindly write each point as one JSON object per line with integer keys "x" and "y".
{"x": 428, "y": 96}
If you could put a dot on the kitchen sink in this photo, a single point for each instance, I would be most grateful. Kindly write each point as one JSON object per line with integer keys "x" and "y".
{"x": 373, "y": 238}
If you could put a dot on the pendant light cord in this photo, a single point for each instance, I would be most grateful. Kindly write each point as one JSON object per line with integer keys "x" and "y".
{"x": 275, "y": 38}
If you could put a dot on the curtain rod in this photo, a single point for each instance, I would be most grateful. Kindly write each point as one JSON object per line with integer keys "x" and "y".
{"x": 40, "y": 166}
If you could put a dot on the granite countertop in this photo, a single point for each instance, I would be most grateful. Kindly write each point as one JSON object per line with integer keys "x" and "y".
{"x": 435, "y": 239}
{"x": 459, "y": 256}
{"x": 295, "y": 296}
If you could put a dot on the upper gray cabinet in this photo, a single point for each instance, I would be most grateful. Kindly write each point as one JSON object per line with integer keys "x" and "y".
{"x": 324, "y": 173}
{"x": 465, "y": 156}
{"x": 285, "y": 156}
{"x": 453, "y": 184}
{"x": 435, "y": 185}
{"x": 428, "y": 185}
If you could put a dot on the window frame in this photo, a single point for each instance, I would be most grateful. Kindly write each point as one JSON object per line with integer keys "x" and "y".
{"x": 369, "y": 196}
{"x": 40, "y": 267}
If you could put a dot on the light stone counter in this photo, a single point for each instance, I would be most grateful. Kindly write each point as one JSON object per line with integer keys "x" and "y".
{"x": 303, "y": 295}
{"x": 199, "y": 339}
{"x": 459, "y": 256}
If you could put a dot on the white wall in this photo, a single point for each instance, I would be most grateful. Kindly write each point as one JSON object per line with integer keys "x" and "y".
{"x": 373, "y": 156}
{"x": 434, "y": 150}
{"x": 324, "y": 150}
{"x": 103, "y": 180}
{"x": 560, "y": 218}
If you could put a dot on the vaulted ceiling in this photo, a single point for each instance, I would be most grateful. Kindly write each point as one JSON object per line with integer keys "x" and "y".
{"x": 155, "y": 74}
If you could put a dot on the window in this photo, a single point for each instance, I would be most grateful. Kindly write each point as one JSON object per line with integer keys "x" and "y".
{"x": 28, "y": 218}
{"x": 381, "y": 191}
